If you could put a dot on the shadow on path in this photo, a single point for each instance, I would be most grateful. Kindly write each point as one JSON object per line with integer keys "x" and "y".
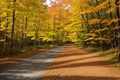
{"x": 74, "y": 65}
{"x": 78, "y": 78}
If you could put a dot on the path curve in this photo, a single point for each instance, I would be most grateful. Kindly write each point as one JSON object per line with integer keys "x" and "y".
{"x": 31, "y": 68}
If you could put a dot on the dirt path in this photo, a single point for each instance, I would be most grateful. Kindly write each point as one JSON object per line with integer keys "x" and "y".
{"x": 11, "y": 60}
{"x": 77, "y": 64}
{"x": 31, "y": 68}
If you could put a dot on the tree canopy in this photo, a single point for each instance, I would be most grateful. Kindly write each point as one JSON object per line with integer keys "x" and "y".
{"x": 93, "y": 23}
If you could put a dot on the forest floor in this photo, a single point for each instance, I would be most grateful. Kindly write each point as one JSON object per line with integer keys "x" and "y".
{"x": 77, "y": 64}
{"x": 61, "y": 63}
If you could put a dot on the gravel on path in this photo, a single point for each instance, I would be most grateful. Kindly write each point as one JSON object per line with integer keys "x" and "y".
{"x": 76, "y": 64}
{"x": 31, "y": 68}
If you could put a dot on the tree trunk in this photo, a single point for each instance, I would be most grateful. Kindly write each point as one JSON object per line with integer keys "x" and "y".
{"x": 54, "y": 31}
{"x": 118, "y": 24}
{"x": 99, "y": 17}
{"x": 26, "y": 25}
{"x": 12, "y": 30}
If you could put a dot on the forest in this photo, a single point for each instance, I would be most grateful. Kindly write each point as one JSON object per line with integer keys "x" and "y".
{"x": 28, "y": 24}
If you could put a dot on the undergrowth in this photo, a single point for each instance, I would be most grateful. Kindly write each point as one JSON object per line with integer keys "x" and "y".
{"x": 111, "y": 55}
{"x": 28, "y": 48}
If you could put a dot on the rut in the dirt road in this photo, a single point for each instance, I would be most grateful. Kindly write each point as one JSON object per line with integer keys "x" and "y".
{"x": 76, "y": 64}
{"x": 30, "y": 68}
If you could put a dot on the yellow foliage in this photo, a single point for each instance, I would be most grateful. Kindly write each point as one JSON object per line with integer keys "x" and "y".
{"x": 97, "y": 8}
{"x": 105, "y": 20}
{"x": 2, "y": 28}
{"x": 115, "y": 28}
{"x": 112, "y": 9}
{"x": 31, "y": 34}
{"x": 33, "y": 38}
{"x": 102, "y": 39}
{"x": 94, "y": 21}
{"x": 91, "y": 34}
{"x": 101, "y": 6}
{"x": 101, "y": 30}
{"x": 110, "y": 21}
{"x": 93, "y": 42}
{"x": 89, "y": 39}
{"x": 2, "y": 40}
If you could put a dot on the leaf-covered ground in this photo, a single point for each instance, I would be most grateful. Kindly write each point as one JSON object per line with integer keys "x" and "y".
{"x": 76, "y": 64}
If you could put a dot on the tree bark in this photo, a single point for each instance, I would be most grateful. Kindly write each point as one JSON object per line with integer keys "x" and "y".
{"x": 12, "y": 30}
{"x": 118, "y": 24}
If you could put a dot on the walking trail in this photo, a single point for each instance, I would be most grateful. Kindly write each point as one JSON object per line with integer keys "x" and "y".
{"x": 76, "y": 64}
{"x": 62, "y": 63}
{"x": 31, "y": 68}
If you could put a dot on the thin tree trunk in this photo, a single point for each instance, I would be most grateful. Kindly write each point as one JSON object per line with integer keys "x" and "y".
{"x": 118, "y": 24}
{"x": 12, "y": 30}
{"x": 5, "y": 35}
{"x": 26, "y": 25}
{"x": 101, "y": 42}
{"x": 60, "y": 17}
{"x": 22, "y": 37}
{"x": 113, "y": 43}
{"x": 54, "y": 31}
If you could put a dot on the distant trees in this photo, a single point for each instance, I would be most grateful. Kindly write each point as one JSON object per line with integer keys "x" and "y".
{"x": 58, "y": 18}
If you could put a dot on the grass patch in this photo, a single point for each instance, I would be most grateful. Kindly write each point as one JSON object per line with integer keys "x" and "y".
{"x": 110, "y": 55}
{"x": 106, "y": 53}
{"x": 92, "y": 49}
